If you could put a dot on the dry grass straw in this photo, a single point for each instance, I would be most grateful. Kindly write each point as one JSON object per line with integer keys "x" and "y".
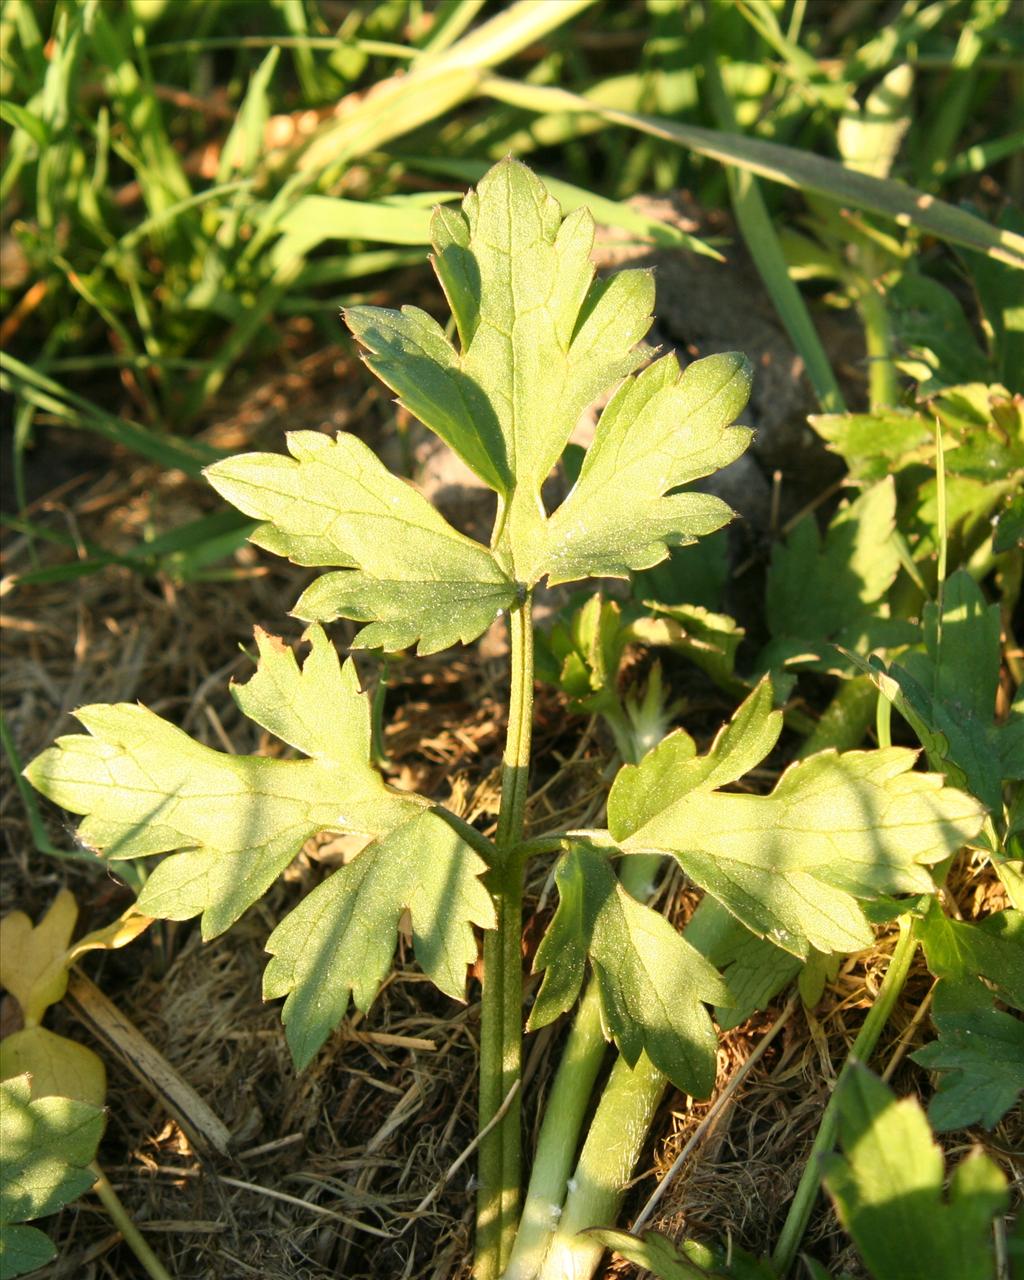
{"x": 330, "y": 1165}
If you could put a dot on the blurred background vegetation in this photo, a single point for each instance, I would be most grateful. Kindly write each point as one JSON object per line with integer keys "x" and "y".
{"x": 192, "y": 188}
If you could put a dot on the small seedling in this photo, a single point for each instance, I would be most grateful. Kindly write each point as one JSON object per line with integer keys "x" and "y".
{"x": 53, "y": 1089}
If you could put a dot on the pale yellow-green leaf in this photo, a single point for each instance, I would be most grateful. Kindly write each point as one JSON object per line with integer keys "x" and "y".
{"x": 231, "y": 823}
{"x": 34, "y": 960}
{"x": 661, "y": 430}
{"x": 793, "y": 865}
{"x": 341, "y": 937}
{"x": 404, "y": 569}
{"x": 59, "y": 1067}
{"x": 538, "y": 340}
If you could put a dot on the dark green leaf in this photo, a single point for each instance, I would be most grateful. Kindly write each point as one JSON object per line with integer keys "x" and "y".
{"x": 821, "y": 593}
{"x": 47, "y": 1144}
{"x": 948, "y": 693}
{"x": 979, "y": 1054}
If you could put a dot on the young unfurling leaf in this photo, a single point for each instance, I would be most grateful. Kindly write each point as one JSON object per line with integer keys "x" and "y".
{"x": 792, "y": 865}
{"x": 231, "y": 824}
{"x": 538, "y": 341}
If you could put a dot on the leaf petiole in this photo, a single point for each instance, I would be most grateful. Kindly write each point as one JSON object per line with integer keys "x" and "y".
{"x": 501, "y": 1031}
{"x": 867, "y": 1038}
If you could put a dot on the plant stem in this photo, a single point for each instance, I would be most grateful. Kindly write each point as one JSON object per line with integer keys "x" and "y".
{"x": 883, "y": 388}
{"x": 564, "y": 1111}
{"x": 878, "y": 1015}
{"x": 132, "y": 1236}
{"x": 566, "y": 1108}
{"x": 501, "y": 1016}
{"x": 545, "y": 1243}
{"x": 625, "y": 1114}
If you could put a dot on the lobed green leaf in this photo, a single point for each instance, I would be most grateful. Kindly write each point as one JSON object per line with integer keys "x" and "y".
{"x": 825, "y": 592}
{"x": 538, "y": 341}
{"x": 231, "y": 824}
{"x": 651, "y": 981}
{"x": 659, "y": 431}
{"x": 887, "y": 1187}
{"x": 405, "y": 570}
{"x": 979, "y": 1055}
{"x": 341, "y": 938}
{"x": 793, "y": 865}
{"x": 948, "y": 693}
{"x": 992, "y": 949}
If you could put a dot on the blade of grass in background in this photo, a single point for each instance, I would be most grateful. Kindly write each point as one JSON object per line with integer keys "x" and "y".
{"x": 313, "y": 219}
{"x": 75, "y": 411}
{"x": 789, "y": 167}
{"x": 982, "y": 156}
{"x": 762, "y": 243}
{"x": 402, "y": 103}
{"x": 869, "y": 138}
{"x": 451, "y": 18}
{"x": 799, "y": 67}
{"x": 243, "y": 147}
{"x": 940, "y": 133}
{"x": 183, "y": 553}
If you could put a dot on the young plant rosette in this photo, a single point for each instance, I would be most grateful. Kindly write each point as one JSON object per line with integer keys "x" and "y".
{"x": 539, "y": 340}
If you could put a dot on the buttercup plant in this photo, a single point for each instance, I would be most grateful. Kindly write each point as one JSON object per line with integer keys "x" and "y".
{"x": 538, "y": 340}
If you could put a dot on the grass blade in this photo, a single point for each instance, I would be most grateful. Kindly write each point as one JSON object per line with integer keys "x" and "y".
{"x": 244, "y": 144}
{"x": 763, "y": 246}
{"x": 165, "y": 449}
{"x": 405, "y": 102}
{"x": 786, "y": 165}
{"x": 313, "y": 219}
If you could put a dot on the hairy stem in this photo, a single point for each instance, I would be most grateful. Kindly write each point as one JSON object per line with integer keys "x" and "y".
{"x": 501, "y": 1017}
{"x": 878, "y": 1015}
